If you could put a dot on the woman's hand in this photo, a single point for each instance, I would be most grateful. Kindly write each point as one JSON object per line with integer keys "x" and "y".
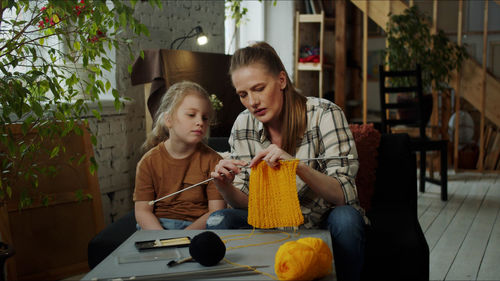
{"x": 223, "y": 175}
{"x": 272, "y": 154}
{"x": 225, "y": 170}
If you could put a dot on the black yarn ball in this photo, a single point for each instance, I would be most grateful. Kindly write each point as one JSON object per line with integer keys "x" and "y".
{"x": 207, "y": 248}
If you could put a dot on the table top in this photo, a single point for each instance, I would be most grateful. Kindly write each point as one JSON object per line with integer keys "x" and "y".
{"x": 242, "y": 247}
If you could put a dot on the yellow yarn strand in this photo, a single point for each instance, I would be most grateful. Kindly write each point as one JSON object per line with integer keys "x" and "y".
{"x": 273, "y": 200}
{"x": 247, "y": 236}
{"x": 256, "y": 244}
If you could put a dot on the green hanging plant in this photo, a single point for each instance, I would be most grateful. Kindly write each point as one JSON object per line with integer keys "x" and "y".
{"x": 43, "y": 46}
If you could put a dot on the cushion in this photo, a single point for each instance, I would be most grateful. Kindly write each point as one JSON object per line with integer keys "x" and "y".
{"x": 367, "y": 140}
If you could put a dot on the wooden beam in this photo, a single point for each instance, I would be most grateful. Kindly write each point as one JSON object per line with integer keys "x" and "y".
{"x": 356, "y": 76}
{"x": 457, "y": 90}
{"x": 322, "y": 55}
{"x": 379, "y": 10}
{"x": 297, "y": 40}
{"x": 435, "y": 99}
{"x": 365, "y": 63}
{"x": 434, "y": 16}
{"x": 483, "y": 88}
{"x": 471, "y": 87}
{"x": 340, "y": 52}
{"x": 387, "y": 112}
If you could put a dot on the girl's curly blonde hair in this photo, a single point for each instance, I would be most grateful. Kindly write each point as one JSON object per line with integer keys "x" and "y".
{"x": 169, "y": 104}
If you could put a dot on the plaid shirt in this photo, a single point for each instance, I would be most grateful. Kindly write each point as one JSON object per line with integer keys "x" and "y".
{"x": 327, "y": 134}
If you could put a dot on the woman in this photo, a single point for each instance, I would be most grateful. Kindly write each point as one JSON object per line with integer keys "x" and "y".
{"x": 279, "y": 124}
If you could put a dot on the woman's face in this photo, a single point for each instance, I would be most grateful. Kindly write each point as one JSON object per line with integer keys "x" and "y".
{"x": 260, "y": 92}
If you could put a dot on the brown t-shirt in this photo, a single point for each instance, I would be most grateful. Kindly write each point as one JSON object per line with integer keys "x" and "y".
{"x": 158, "y": 174}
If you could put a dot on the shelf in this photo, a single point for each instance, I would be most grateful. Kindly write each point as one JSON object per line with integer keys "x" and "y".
{"x": 315, "y": 18}
{"x": 312, "y": 66}
{"x": 317, "y": 29}
{"x": 309, "y": 66}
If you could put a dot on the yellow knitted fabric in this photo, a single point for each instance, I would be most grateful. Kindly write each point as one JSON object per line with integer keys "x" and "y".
{"x": 273, "y": 200}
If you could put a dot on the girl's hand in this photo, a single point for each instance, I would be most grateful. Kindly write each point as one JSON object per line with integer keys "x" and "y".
{"x": 272, "y": 154}
{"x": 225, "y": 170}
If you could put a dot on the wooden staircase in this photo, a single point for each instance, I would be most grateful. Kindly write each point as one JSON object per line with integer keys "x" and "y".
{"x": 472, "y": 72}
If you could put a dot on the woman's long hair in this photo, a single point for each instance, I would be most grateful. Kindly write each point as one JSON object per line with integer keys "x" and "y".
{"x": 169, "y": 104}
{"x": 293, "y": 114}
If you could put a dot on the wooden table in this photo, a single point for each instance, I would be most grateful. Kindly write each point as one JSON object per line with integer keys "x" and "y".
{"x": 126, "y": 261}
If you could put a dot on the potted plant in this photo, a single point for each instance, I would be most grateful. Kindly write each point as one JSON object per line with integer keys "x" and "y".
{"x": 53, "y": 59}
{"x": 45, "y": 46}
{"x": 410, "y": 42}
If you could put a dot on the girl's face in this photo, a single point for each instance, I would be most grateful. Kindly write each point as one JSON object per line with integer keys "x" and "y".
{"x": 260, "y": 92}
{"x": 189, "y": 123}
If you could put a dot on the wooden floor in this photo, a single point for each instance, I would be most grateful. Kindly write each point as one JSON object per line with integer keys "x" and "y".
{"x": 463, "y": 233}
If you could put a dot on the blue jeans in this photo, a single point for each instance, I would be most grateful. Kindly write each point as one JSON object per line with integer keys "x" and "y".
{"x": 171, "y": 224}
{"x": 346, "y": 227}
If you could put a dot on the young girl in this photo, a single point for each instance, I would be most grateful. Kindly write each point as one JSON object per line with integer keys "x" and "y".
{"x": 176, "y": 158}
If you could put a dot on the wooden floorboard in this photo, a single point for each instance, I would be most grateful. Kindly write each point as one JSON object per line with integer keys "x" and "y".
{"x": 439, "y": 225}
{"x": 433, "y": 205}
{"x": 468, "y": 260}
{"x": 490, "y": 265}
{"x": 463, "y": 233}
{"x": 450, "y": 241}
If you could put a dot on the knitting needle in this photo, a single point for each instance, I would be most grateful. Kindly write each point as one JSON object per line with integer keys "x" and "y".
{"x": 151, "y": 203}
{"x": 179, "y": 261}
{"x": 218, "y": 272}
{"x": 349, "y": 157}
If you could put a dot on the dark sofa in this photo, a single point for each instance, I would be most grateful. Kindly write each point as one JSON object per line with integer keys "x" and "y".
{"x": 396, "y": 248}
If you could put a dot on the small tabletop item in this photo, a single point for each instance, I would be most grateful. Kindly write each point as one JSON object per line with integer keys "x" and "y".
{"x": 163, "y": 243}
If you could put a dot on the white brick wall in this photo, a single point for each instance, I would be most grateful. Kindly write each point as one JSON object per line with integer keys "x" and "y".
{"x": 120, "y": 135}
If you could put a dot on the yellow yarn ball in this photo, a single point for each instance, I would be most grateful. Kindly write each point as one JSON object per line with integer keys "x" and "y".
{"x": 305, "y": 259}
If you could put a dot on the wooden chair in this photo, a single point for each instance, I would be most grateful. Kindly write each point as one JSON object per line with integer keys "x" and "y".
{"x": 421, "y": 143}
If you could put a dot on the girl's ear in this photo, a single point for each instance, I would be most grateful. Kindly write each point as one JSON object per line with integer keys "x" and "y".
{"x": 168, "y": 121}
{"x": 282, "y": 80}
